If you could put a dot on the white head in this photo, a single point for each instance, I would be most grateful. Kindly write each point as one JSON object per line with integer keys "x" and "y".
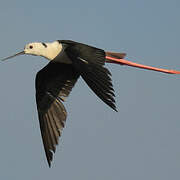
{"x": 35, "y": 48}
{"x": 47, "y": 50}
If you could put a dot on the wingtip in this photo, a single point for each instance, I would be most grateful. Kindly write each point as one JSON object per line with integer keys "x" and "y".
{"x": 49, "y": 164}
{"x": 115, "y": 109}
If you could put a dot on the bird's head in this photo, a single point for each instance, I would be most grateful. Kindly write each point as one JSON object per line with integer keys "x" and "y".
{"x": 35, "y": 48}
{"x": 47, "y": 50}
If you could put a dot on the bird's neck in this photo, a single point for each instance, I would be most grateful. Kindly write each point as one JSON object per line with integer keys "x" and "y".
{"x": 52, "y": 50}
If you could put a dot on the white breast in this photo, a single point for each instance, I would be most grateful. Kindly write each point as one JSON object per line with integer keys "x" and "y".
{"x": 52, "y": 50}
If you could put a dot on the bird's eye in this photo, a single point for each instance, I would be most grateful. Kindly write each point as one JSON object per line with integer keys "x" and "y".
{"x": 30, "y": 47}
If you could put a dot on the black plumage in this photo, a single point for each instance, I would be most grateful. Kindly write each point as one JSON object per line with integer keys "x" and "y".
{"x": 55, "y": 81}
{"x": 53, "y": 84}
{"x": 68, "y": 61}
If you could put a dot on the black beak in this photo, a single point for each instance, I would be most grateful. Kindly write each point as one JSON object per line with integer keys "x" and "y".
{"x": 20, "y": 53}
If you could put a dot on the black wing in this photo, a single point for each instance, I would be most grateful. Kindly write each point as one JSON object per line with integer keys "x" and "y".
{"x": 53, "y": 84}
{"x": 89, "y": 62}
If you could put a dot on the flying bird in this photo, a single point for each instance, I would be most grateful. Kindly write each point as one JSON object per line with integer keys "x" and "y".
{"x": 68, "y": 61}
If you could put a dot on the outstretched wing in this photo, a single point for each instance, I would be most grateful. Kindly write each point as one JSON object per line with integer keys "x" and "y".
{"x": 89, "y": 62}
{"x": 53, "y": 84}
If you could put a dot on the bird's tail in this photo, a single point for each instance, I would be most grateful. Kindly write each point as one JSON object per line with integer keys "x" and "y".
{"x": 116, "y": 55}
{"x": 117, "y": 58}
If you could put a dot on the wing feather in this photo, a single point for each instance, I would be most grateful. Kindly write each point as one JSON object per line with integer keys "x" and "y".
{"x": 89, "y": 62}
{"x": 53, "y": 83}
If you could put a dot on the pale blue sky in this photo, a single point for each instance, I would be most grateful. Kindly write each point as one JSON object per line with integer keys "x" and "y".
{"x": 141, "y": 141}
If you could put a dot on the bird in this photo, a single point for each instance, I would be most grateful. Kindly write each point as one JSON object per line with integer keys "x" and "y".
{"x": 68, "y": 60}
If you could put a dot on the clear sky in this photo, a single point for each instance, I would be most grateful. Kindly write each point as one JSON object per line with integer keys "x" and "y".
{"x": 141, "y": 140}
